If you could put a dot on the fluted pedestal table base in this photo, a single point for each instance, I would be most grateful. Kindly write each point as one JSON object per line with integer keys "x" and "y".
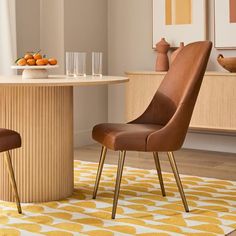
{"x": 44, "y": 118}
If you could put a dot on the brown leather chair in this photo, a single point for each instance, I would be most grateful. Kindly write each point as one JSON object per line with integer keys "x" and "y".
{"x": 10, "y": 139}
{"x": 164, "y": 124}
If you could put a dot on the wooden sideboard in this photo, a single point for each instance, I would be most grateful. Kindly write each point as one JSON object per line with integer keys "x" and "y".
{"x": 215, "y": 108}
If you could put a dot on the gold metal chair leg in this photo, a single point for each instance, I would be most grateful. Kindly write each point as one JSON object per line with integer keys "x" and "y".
{"x": 99, "y": 171}
{"x": 178, "y": 180}
{"x": 12, "y": 180}
{"x": 118, "y": 181}
{"x": 158, "y": 167}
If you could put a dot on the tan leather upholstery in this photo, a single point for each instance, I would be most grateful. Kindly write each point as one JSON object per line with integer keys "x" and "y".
{"x": 163, "y": 126}
{"x": 9, "y": 139}
{"x": 124, "y": 136}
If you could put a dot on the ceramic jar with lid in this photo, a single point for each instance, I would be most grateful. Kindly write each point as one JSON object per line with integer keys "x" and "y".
{"x": 162, "y": 61}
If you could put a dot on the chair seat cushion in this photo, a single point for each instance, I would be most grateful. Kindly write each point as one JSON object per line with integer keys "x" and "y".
{"x": 9, "y": 139}
{"x": 130, "y": 137}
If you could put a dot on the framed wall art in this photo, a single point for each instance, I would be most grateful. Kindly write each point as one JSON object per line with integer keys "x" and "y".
{"x": 179, "y": 21}
{"x": 225, "y": 24}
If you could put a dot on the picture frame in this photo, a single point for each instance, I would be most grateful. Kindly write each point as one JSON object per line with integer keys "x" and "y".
{"x": 179, "y": 21}
{"x": 225, "y": 24}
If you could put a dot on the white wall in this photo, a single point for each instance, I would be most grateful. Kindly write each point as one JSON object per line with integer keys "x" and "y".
{"x": 86, "y": 31}
{"x": 130, "y": 49}
{"x": 129, "y": 46}
{"x": 52, "y": 31}
{"x": 7, "y": 36}
{"x": 27, "y": 26}
{"x": 40, "y": 26}
{"x": 57, "y": 26}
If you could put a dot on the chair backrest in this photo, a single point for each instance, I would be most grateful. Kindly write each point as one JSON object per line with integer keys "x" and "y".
{"x": 173, "y": 103}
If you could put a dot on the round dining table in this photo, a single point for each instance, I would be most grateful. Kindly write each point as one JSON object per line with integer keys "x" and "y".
{"x": 41, "y": 110}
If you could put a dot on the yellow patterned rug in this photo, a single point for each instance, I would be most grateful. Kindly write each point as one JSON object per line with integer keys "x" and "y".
{"x": 141, "y": 209}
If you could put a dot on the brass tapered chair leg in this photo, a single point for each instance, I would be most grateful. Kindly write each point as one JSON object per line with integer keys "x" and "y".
{"x": 178, "y": 180}
{"x": 12, "y": 180}
{"x": 99, "y": 171}
{"x": 118, "y": 181}
{"x": 158, "y": 167}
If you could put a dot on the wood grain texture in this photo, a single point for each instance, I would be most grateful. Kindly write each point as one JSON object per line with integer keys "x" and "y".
{"x": 44, "y": 165}
{"x": 139, "y": 93}
{"x": 215, "y": 106}
{"x": 190, "y": 162}
{"x": 61, "y": 80}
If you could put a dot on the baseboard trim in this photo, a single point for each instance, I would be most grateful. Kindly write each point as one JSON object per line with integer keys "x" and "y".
{"x": 210, "y": 142}
{"x": 83, "y": 138}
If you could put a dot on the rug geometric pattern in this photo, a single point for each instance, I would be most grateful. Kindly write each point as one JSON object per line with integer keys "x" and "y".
{"x": 141, "y": 209}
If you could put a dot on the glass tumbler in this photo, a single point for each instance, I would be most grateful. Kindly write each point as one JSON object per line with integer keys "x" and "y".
{"x": 69, "y": 63}
{"x": 97, "y": 63}
{"x": 80, "y": 63}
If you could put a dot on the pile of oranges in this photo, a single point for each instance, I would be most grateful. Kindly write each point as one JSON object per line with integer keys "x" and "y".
{"x": 33, "y": 59}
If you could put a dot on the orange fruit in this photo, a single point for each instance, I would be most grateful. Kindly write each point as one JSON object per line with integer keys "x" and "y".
{"x": 40, "y": 62}
{"x": 52, "y": 61}
{"x": 37, "y": 56}
{"x": 31, "y": 62}
{"x": 21, "y": 62}
{"x": 45, "y": 61}
{"x": 28, "y": 56}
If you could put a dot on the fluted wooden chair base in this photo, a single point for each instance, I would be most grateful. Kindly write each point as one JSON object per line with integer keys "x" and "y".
{"x": 120, "y": 172}
{"x": 12, "y": 180}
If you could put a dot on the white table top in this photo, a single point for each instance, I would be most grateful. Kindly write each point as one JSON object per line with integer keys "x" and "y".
{"x": 61, "y": 80}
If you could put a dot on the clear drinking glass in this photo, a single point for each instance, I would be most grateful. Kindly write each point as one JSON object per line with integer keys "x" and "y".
{"x": 69, "y": 63}
{"x": 80, "y": 63}
{"x": 97, "y": 63}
